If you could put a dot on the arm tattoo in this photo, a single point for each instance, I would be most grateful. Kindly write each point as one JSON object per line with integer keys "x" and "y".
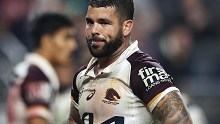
{"x": 171, "y": 110}
{"x": 74, "y": 117}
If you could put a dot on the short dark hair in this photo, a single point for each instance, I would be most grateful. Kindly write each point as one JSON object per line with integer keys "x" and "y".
{"x": 48, "y": 23}
{"x": 125, "y": 8}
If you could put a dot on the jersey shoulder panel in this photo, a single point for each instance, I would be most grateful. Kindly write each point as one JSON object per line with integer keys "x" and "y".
{"x": 36, "y": 88}
{"x": 35, "y": 74}
{"x": 147, "y": 79}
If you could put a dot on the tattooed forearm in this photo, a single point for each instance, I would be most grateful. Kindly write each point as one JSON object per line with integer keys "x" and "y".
{"x": 74, "y": 117}
{"x": 171, "y": 110}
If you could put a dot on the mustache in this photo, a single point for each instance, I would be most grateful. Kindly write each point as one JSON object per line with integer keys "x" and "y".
{"x": 95, "y": 38}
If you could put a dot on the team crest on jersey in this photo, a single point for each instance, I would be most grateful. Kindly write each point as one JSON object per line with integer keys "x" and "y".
{"x": 153, "y": 76}
{"x": 111, "y": 97}
{"x": 113, "y": 81}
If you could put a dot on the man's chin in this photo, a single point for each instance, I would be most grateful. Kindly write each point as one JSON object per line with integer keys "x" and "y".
{"x": 97, "y": 55}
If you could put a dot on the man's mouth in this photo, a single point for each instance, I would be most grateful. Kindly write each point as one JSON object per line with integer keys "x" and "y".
{"x": 96, "y": 42}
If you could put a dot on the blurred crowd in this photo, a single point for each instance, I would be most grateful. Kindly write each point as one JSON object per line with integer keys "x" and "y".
{"x": 183, "y": 35}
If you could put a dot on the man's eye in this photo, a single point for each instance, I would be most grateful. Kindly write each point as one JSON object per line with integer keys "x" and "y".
{"x": 104, "y": 23}
{"x": 89, "y": 23}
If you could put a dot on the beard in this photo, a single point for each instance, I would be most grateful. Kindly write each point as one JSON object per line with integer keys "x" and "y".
{"x": 109, "y": 47}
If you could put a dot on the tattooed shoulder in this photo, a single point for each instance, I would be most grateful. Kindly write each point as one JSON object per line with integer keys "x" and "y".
{"x": 172, "y": 110}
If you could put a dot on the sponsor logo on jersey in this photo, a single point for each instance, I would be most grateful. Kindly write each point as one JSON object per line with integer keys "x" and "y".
{"x": 111, "y": 97}
{"x": 38, "y": 90}
{"x": 153, "y": 76}
{"x": 90, "y": 95}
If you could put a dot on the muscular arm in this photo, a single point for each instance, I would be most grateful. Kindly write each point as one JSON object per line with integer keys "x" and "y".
{"x": 171, "y": 110}
{"x": 74, "y": 117}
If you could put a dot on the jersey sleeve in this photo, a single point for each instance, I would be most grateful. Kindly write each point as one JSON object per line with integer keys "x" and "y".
{"x": 37, "y": 93}
{"x": 150, "y": 82}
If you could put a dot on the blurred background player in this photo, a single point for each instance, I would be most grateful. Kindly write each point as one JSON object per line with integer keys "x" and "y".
{"x": 31, "y": 98}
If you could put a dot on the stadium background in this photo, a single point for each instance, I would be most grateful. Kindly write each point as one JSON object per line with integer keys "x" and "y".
{"x": 184, "y": 35}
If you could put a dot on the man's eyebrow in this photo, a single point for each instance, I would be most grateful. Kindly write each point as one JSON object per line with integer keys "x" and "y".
{"x": 104, "y": 20}
{"x": 99, "y": 20}
{"x": 88, "y": 19}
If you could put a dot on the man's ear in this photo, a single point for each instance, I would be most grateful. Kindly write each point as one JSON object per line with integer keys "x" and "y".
{"x": 127, "y": 27}
{"x": 45, "y": 42}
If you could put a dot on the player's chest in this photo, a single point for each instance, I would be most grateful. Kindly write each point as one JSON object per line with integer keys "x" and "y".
{"x": 105, "y": 95}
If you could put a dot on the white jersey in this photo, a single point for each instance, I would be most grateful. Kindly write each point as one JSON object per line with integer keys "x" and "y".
{"x": 36, "y": 85}
{"x": 125, "y": 92}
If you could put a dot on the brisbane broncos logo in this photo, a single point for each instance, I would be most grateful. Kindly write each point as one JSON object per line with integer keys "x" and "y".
{"x": 112, "y": 95}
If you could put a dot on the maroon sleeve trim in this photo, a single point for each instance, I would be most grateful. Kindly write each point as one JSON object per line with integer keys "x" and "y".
{"x": 74, "y": 90}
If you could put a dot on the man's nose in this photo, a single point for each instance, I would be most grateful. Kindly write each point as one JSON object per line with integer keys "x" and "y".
{"x": 95, "y": 29}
